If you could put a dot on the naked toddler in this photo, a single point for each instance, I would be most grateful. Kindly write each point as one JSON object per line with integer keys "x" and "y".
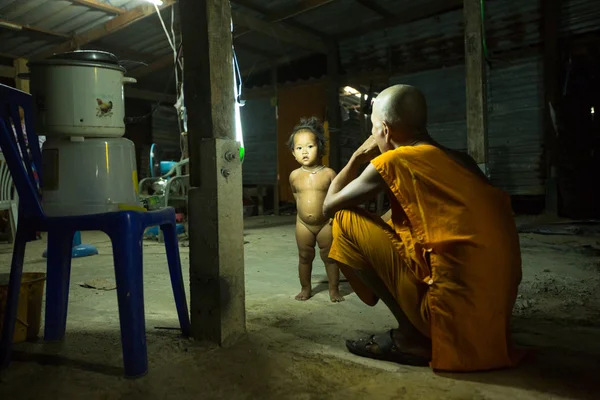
{"x": 309, "y": 184}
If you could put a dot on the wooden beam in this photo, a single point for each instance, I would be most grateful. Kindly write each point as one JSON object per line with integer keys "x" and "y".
{"x": 288, "y": 34}
{"x": 550, "y": 22}
{"x": 7, "y": 71}
{"x": 114, "y": 25}
{"x": 96, "y": 5}
{"x": 302, "y": 7}
{"x": 157, "y": 65}
{"x": 258, "y": 51}
{"x": 32, "y": 28}
{"x": 215, "y": 195}
{"x": 166, "y": 61}
{"x": 414, "y": 13}
{"x": 476, "y": 102}
{"x": 376, "y": 8}
{"x": 20, "y": 65}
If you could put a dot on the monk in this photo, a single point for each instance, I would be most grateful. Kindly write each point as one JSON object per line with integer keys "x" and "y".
{"x": 445, "y": 259}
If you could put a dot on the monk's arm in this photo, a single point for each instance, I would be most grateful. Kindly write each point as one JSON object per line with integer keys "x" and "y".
{"x": 346, "y": 192}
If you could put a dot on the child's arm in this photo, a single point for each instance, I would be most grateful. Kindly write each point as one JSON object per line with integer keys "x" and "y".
{"x": 291, "y": 179}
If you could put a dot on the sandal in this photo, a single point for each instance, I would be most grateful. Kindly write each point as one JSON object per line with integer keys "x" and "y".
{"x": 388, "y": 351}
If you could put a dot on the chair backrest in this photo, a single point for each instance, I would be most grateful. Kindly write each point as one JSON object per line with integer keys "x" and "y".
{"x": 21, "y": 150}
{"x": 7, "y": 186}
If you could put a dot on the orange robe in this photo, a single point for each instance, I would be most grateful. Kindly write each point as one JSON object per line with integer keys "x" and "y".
{"x": 456, "y": 254}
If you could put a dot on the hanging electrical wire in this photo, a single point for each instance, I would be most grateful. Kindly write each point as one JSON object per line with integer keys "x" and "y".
{"x": 483, "y": 36}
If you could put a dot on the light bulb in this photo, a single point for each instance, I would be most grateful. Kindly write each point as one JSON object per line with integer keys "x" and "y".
{"x": 155, "y": 2}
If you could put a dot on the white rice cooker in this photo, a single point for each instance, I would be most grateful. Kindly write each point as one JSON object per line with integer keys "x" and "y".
{"x": 87, "y": 166}
{"x": 79, "y": 93}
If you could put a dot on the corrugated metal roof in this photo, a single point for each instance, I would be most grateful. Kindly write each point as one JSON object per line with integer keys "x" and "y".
{"x": 338, "y": 16}
{"x": 438, "y": 40}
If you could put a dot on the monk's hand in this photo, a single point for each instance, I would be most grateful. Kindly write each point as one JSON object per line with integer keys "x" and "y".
{"x": 367, "y": 151}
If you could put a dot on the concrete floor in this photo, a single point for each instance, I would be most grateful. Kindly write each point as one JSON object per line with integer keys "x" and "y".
{"x": 296, "y": 350}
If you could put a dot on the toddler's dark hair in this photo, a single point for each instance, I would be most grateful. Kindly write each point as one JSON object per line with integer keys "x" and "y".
{"x": 315, "y": 126}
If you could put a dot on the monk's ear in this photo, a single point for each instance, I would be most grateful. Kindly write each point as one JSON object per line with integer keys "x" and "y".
{"x": 387, "y": 134}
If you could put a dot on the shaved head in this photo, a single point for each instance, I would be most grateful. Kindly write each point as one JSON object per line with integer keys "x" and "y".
{"x": 403, "y": 108}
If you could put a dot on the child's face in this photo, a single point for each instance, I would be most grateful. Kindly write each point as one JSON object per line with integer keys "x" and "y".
{"x": 306, "y": 150}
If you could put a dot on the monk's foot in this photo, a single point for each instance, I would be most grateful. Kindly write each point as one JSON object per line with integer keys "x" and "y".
{"x": 386, "y": 347}
{"x": 420, "y": 346}
{"x": 304, "y": 294}
{"x": 335, "y": 296}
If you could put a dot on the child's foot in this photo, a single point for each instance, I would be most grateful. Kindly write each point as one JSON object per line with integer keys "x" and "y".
{"x": 335, "y": 296}
{"x": 304, "y": 295}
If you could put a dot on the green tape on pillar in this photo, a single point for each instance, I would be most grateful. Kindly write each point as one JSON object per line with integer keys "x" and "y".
{"x": 242, "y": 153}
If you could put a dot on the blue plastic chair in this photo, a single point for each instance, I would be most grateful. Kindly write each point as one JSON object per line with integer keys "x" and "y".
{"x": 125, "y": 228}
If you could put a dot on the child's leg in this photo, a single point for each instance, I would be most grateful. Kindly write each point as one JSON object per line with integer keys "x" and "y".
{"x": 306, "y": 241}
{"x": 324, "y": 239}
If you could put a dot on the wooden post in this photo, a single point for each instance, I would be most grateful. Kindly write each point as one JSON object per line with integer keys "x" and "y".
{"x": 20, "y": 65}
{"x": 276, "y": 183}
{"x": 215, "y": 195}
{"x": 477, "y": 137}
{"x": 333, "y": 106}
{"x": 551, "y": 13}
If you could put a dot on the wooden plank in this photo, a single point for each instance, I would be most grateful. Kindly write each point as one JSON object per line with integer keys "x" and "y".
{"x": 476, "y": 101}
{"x": 550, "y": 22}
{"x": 215, "y": 194}
{"x": 287, "y": 34}
{"x": 96, "y": 5}
{"x": 32, "y": 28}
{"x": 114, "y": 25}
{"x": 7, "y": 71}
{"x": 20, "y": 65}
{"x": 376, "y": 8}
{"x": 274, "y": 86}
{"x": 414, "y": 13}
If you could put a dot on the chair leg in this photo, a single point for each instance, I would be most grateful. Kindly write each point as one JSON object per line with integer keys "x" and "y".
{"x": 60, "y": 245}
{"x": 174, "y": 261}
{"x": 12, "y": 301}
{"x": 12, "y": 222}
{"x": 128, "y": 258}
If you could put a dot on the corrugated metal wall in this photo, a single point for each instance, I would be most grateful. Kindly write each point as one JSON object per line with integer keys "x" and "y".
{"x": 445, "y": 93}
{"x": 259, "y": 123}
{"x": 515, "y": 126}
{"x": 515, "y": 91}
{"x": 509, "y": 24}
{"x": 579, "y": 16}
{"x": 165, "y": 132}
{"x": 515, "y": 107}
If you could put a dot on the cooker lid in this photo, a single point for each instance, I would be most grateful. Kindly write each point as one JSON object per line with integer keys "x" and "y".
{"x": 92, "y": 56}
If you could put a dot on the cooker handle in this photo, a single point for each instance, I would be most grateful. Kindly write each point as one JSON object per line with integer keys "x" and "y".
{"x": 127, "y": 79}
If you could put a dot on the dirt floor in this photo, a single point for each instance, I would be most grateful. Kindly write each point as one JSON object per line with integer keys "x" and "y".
{"x": 296, "y": 350}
